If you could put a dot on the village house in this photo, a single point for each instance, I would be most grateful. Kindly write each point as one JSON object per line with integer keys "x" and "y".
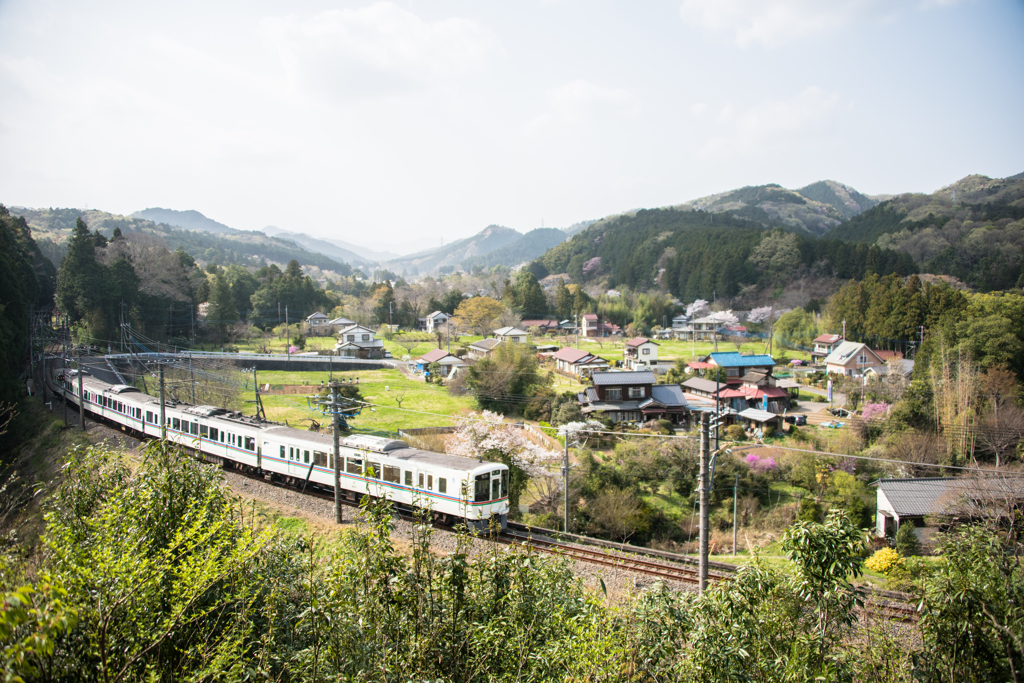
{"x": 338, "y": 324}
{"x": 357, "y": 341}
{"x": 680, "y": 323}
{"x": 737, "y": 365}
{"x": 511, "y": 334}
{"x": 640, "y": 353}
{"x": 432, "y": 321}
{"x": 481, "y": 349}
{"x": 633, "y": 397}
{"x": 700, "y": 329}
{"x": 824, "y": 345}
{"x": 594, "y": 327}
{"x": 852, "y": 359}
{"x": 545, "y": 326}
{"x": 318, "y": 324}
{"x": 577, "y": 362}
{"x": 449, "y": 363}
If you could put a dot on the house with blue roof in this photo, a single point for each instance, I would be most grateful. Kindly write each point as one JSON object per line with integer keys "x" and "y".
{"x": 737, "y": 365}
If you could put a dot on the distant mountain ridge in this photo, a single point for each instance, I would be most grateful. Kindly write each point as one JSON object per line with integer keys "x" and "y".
{"x": 452, "y": 255}
{"x": 526, "y": 248}
{"x": 188, "y": 220}
{"x": 358, "y": 253}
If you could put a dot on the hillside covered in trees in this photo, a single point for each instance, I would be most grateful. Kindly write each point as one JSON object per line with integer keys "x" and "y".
{"x": 52, "y": 229}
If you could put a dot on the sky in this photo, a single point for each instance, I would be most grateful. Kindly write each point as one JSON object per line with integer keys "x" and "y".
{"x": 398, "y": 124}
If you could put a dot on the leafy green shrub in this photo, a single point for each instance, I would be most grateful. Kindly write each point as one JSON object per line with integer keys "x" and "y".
{"x": 884, "y": 561}
{"x": 907, "y": 543}
{"x": 810, "y": 511}
{"x": 908, "y": 575}
{"x": 769, "y": 432}
{"x": 667, "y": 426}
{"x": 818, "y": 398}
{"x": 735, "y": 433}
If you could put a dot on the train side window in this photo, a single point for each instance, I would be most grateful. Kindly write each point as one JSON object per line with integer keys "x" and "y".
{"x": 354, "y": 466}
{"x": 213, "y": 434}
{"x": 203, "y": 431}
{"x": 421, "y": 480}
{"x": 430, "y": 482}
{"x": 195, "y": 429}
{"x": 483, "y": 488}
{"x": 149, "y": 416}
{"x": 373, "y": 470}
{"x": 331, "y": 463}
{"x": 408, "y": 477}
{"x": 250, "y": 443}
{"x": 222, "y": 437}
{"x": 305, "y": 457}
{"x": 176, "y": 424}
{"x": 392, "y": 474}
{"x": 442, "y": 485}
{"x": 282, "y": 452}
{"x": 319, "y": 459}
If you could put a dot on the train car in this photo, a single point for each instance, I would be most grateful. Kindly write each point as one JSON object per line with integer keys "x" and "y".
{"x": 452, "y": 487}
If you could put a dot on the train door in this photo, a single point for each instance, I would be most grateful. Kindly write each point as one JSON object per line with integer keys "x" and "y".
{"x": 495, "y": 484}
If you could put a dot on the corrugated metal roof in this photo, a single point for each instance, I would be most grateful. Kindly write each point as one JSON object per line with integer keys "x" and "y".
{"x": 935, "y": 495}
{"x": 698, "y": 384}
{"x": 758, "y": 415}
{"x": 570, "y": 355}
{"x": 732, "y": 359}
{"x": 603, "y": 379}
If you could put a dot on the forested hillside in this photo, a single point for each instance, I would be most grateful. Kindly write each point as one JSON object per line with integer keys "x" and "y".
{"x": 526, "y": 248}
{"x": 695, "y": 254}
{"x": 972, "y": 230}
{"x": 53, "y": 227}
{"x": 188, "y": 220}
{"x": 451, "y": 256}
{"x": 27, "y": 280}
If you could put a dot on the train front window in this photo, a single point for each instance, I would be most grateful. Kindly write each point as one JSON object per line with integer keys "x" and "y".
{"x": 483, "y": 488}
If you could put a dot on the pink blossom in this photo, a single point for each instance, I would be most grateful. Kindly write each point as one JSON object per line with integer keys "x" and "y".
{"x": 873, "y": 411}
{"x": 592, "y": 265}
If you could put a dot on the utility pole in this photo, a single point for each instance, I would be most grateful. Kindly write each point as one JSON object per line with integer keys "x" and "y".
{"x": 389, "y": 316}
{"x": 81, "y": 393}
{"x": 287, "y": 336}
{"x": 578, "y": 329}
{"x": 163, "y": 413}
{"x": 191, "y": 378}
{"x": 64, "y": 362}
{"x": 705, "y": 507}
{"x": 565, "y": 488}
{"x": 735, "y": 494}
{"x": 844, "y": 329}
{"x": 337, "y": 456}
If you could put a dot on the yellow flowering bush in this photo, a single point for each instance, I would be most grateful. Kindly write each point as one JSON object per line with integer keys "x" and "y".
{"x": 884, "y": 561}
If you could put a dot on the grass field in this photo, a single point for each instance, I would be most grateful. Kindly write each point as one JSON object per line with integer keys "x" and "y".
{"x": 381, "y": 387}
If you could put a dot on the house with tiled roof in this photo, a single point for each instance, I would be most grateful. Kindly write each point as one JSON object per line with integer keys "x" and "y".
{"x": 633, "y": 397}
{"x": 450, "y": 363}
{"x": 824, "y": 345}
{"x": 481, "y": 349}
{"x": 357, "y": 341}
{"x": 544, "y": 325}
{"x": 317, "y": 323}
{"x": 593, "y": 326}
{"x": 852, "y": 359}
{"x": 640, "y": 353}
{"x": 912, "y": 501}
{"x": 577, "y": 362}
{"x": 433, "y": 321}
{"x": 511, "y": 334}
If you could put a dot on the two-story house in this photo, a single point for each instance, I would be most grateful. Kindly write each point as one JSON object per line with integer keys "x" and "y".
{"x": 700, "y": 329}
{"x": 633, "y": 397}
{"x": 593, "y": 326}
{"x": 318, "y": 324}
{"x": 577, "y": 362}
{"x": 511, "y": 334}
{"x": 680, "y": 323}
{"x": 449, "y": 363}
{"x": 433, "y": 321}
{"x": 737, "y": 364}
{"x": 824, "y": 345}
{"x": 852, "y": 359}
{"x": 640, "y": 353}
{"x": 357, "y": 341}
{"x": 481, "y": 349}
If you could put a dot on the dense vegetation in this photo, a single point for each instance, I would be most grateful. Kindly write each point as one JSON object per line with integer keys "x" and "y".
{"x": 154, "y": 571}
{"x": 694, "y": 254}
{"x": 27, "y": 281}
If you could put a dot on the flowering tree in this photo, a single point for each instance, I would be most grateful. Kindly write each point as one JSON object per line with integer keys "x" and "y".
{"x": 873, "y": 411}
{"x": 725, "y": 317}
{"x": 487, "y": 435}
{"x": 697, "y": 308}
{"x": 592, "y": 265}
{"x": 761, "y": 315}
{"x": 580, "y": 433}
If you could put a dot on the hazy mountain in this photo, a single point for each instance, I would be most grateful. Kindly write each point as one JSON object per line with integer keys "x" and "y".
{"x": 357, "y": 253}
{"x": 52, "y": 227}
{"x": 844, "y": 199}
{"x": 576, "y": 227}
{"x": 451, "y": 256}
{"x": 189, "y": 220}
{"x": 526, "y": 248}
{"x": 814, "y": 210}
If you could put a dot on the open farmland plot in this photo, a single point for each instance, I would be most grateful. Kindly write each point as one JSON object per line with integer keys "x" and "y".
{"x": 383, "y": 388}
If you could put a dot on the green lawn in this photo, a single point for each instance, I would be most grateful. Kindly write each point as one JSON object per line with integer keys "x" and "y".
{"x": 380, "y": 387}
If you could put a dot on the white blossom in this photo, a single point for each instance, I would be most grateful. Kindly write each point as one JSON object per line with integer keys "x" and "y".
{"x": 697, "y": 308}
{"x": 761, "y": 315}
{"x": 481, "y": 433}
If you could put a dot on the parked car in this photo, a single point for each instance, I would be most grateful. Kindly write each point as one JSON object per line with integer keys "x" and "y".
{"x": 796, "y": 419}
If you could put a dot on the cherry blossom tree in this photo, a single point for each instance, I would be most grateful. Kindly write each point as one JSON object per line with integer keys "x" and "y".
{"x": 697, "y": 308}
{"x": 761, "y": 315}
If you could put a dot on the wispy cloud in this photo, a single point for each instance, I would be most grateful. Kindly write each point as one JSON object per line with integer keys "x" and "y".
{"x": 379, "y": 45}
{"x": 772, "y": 23}
{"x": 771, "y": 123}
{"x": 579, "y": 102}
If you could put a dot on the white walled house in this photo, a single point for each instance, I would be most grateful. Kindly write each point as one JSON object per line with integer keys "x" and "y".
{"x": 852, "y": 359}
{"x": 357, "y": 341}
{"x": 511, "y": 334}
{"x": 640, "y": 353}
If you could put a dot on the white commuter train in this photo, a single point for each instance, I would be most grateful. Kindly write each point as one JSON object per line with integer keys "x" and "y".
{"x": 453, "y": 487}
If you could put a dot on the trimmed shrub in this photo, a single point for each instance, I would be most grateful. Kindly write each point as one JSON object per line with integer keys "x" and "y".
{"x": 735, "y": 433}
{"x": 884, "y": 561}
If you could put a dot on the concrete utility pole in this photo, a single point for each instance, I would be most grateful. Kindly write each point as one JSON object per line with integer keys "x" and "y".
{"x": 64, "y": 364}
{"x": 335, "y": 387}
{"x": 81, "y": 393}
{"x": 735, "y": 494}
{"x": 163, "y": 413}
{"x": 705, "y": 503}
{"x": 565, "y": 491}
{"x": 287, "y": 336}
